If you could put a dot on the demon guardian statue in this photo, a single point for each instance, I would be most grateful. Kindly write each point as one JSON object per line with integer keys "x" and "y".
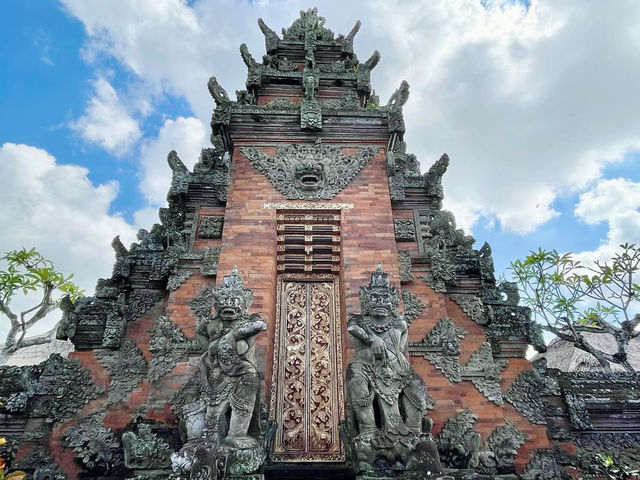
{"x": 222, "y": 425}
{"x": 388, "y": 398}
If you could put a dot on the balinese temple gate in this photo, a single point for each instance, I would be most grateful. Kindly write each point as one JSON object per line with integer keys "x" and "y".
{"x": 304, "y": 309}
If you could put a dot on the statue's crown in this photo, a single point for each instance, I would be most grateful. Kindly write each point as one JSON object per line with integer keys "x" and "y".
{"x": 379, "y": 279}
{"x": 233, "y": 286}
{"x": 234, "y": 280}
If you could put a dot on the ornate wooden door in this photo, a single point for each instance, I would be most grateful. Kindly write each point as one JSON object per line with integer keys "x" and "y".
{"x": 307, "y": 399}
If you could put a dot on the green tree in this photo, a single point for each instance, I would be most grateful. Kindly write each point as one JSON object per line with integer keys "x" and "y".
{"x": 570, "y": 299}
{"x": 28, "y": 271}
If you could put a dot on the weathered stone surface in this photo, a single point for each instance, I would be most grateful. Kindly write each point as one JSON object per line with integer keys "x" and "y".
{"x": 458, "y": 444}
{"x": 216, "y": 409}
{"x": 95, "y": 447}
{"x": 405, "y": 229}
{"x": 441, "y": 347}
{"x": 527, "y": 390}
{"x": 210, "y": 227}
{"x": 144, "y": 449}
{"x": 404, "y": 263}
{"x": 127, "y": 368}
{"x": 498, "y": 452}
{"x": 413, "y": 306}
{"x": 168, "y": 345}
{"x": 544, "y": 466}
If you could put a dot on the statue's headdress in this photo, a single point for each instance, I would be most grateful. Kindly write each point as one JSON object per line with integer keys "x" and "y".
{"x": 233, "y": 286}
{"x": 379, "y": 283}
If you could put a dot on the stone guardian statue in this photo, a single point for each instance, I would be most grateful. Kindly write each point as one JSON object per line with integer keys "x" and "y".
{"x": 388, "y": 398}
{"x": 228, "y": 385}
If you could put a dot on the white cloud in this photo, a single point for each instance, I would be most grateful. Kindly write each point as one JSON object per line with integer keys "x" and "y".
{"x": 56, "y": 209}
{"x": 607, "y": 199}
{"x": 187, "y": 136}
{"x": 530, "y": 103}
{"x": 617, "y": 202}
{"x": 106, "y": 121}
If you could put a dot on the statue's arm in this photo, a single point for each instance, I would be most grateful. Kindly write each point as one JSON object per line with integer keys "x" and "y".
{"x": 251, "y": 327}
{"x": 201, "y": 334}
{"x": 358, "y": 332}
{"x": 404, "y": 335}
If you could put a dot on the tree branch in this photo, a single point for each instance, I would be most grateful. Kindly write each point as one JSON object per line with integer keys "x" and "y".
{"x": 45, "y": 306}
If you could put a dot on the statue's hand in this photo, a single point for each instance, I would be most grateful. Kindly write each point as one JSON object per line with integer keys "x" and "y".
{"x": 378, "y": 348}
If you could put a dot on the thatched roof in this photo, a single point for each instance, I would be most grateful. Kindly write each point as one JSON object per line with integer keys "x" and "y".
{"x": 39, "y": 353}
{"x": 566, "y": 357}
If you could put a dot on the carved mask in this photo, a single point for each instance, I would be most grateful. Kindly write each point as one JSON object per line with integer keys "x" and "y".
{"x": 309, "y": 175}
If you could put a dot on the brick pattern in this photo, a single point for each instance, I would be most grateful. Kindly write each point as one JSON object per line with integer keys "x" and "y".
{"x": 453, "y": 397}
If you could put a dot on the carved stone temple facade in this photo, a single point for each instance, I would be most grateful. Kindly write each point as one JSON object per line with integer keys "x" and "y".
{"x": 306, "y": 309}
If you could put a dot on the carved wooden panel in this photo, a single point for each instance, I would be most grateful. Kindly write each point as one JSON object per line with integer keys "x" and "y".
{"x": 307, "y": 399}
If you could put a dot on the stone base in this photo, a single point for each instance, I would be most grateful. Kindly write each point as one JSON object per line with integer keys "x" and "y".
{"x": 249, "y": 476}
{"x": 199, "y": 459}
{"x": 411, "y": 457}
{"x": 402, "y": 477}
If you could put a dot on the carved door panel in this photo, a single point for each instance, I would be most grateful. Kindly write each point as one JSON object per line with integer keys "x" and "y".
{"x": 307, "y": 400}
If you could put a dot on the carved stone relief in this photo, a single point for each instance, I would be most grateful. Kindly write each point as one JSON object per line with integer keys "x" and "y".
{"x": 404, "y": 264}
{"x": 210, "y": 226}
{"x": 127, "y": 368}
{"x": 309, "y": 172}
{"x": 405, "y": 229}
{"x": 177, "y": 279}
{"x": 473, "y": 307}
{"x": 66, "y": 386}
{"x": 168, "y": 345}
{"x": 441, "y": 347}
{"x": 210, "y": 259}
{"x": 527, "y": 390}
{"x": 144, "y": 449}
{"x": 413, "y": 306}
{"x": 544, "y": 466}
{"x": 458, "y": 444}
{"x": 498, "y": 453}
{"x": 484, "y": 372}
{"x": 94, "y": 446}
{"x": 140, "y": 301}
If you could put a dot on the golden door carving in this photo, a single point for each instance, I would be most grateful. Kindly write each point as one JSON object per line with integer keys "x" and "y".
{"x": 307, "y": 400}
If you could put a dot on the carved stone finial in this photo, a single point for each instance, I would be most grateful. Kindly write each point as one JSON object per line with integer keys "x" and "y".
{"x": 217, "y": 92}
{"x": 433, "y": 179}
{"x": 174, "y": 160}
{"x": 400, "y": 96}
{"x": 271, "y": 39}
{"x": 371, "y": 63}
{"x": 351, "y": 35}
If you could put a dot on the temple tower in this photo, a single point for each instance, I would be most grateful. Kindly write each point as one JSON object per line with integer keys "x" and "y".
{"x": 304, "y": 309}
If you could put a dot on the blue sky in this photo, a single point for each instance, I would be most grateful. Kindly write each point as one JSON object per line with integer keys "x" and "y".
{"x": 535, "y": 102}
